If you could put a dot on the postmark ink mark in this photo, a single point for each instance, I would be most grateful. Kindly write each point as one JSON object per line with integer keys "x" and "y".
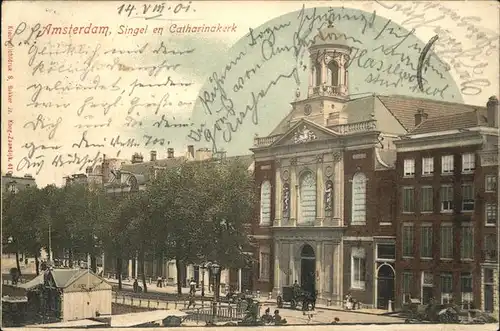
{"x": 421, "y": 59}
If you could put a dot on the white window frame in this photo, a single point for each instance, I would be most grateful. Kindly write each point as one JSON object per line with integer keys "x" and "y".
{"x": 491, "y": 212}
{"x": 468, "y": 162}
{"x": 429, "y": 240}
{"x": 442, "y": 241}
{"x": 411, "y": 200}
{"x": 409, "y": 167}
{"x": 423, "y": 284}
{"x": 407, "y": 277}
{"x": 265, "y": 203}
{"x": 486, "y": 247}
{"x": 446, "y": 205}
{"x": 466, "y": 297}
{"x": 264, "y": 268}
{"x": 490, "y": 183}
{"x": 422, "y": 199}
{"x": 487, "y": 281}
{"x": 447, "y": 164}
{"x": 403, "y": 241}
{"x": 358, "y": 253}
{"x": 445, "y": 296}
{"x": 427, "y": 166}
{"x": 463, "y": 247}
{"x": 358, "y": 201}
{"x": 386, "y": 259}
{"x": 468, "y": 202}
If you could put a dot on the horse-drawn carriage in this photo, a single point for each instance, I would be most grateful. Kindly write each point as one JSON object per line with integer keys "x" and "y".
{"x": 296, "y": 297}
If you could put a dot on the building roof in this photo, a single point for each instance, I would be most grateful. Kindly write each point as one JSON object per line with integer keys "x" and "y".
{"x": 452, "y": 122}
{"x": 62, "y": 278}
{"x": 389, "y": 110}
{"x": 404, "y": 108}
{"x": 144, "y": 169}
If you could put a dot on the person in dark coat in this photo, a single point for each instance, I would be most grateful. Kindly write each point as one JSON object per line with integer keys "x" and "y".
{"x": 136, "y": 285}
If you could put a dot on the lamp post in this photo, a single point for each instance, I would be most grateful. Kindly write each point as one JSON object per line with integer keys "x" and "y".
{"x": 202, "y": 267}
{"x": 215, "y": 270}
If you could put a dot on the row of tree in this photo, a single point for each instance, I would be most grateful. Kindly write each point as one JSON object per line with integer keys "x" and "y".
{"x": 191, "y": 213}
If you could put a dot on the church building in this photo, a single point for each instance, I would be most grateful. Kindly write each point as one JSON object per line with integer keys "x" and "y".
{"x": 329, "y": 179}
{"x": 327, "y": 186}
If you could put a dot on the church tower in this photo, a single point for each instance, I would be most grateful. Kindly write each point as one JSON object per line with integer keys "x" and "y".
{"x": 328, "y": 89}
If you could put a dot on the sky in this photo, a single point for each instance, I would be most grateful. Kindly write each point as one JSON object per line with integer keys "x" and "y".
{"x": 74, "y": 97}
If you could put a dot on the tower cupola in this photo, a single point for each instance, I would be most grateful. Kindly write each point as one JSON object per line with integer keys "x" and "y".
{"x": 329, "y": 55}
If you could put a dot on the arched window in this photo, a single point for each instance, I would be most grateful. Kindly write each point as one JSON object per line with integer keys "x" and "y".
{"x": 317, "y": 74}
{"x": 333, "y": 70}
{"x": 307, "y": 198}
{"x": 265, "y": 203}
{"x": 358, "y": 214}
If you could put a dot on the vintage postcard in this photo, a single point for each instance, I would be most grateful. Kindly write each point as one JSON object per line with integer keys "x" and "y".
{"x": 250, "y": 163}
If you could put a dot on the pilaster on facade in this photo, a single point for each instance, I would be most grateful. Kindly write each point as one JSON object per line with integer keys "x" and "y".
{"x": 277, "y": 288}
{"x": 319, "y": 273}
{"x": 338, "y": 178}
{"x": 320, "y": 206}
{"x": 278, "y": 201}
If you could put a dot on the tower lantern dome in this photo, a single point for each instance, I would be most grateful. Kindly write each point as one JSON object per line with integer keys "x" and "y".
{"x": 330, "y": 36}
{"x": 329, "y": 56}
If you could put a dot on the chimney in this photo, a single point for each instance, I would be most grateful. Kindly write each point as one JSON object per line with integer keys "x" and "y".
{"x": 492, "y": 111}
{"x": 203, "y": 154}
{"x": 153, "y": 156}
{"x": 191, "y": 151}
{"x": 170, "y": 153}
{"x": 420, "y": 116}
{"x": 105, "y": 169}
{"x": 137, "y": 158}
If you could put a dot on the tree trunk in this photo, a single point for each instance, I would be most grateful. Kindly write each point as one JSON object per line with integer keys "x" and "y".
{"x": 37, "y": 265}
{"x": 93, "y": 263}
{"x": 119, "y": 272}
{"x": 143, "y": 274}
{"x": 70, "y": 258}
{"x": 179, "y": 274}
{"x": 18, "y": 264}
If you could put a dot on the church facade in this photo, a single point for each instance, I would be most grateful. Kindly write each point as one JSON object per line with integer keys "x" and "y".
{"x": 326, "y": 188}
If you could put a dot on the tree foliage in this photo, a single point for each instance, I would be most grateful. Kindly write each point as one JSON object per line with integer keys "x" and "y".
{"x": 194, "y": 212}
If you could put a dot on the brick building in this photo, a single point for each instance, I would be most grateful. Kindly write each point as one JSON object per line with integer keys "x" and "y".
{"x": 447, "y": 218}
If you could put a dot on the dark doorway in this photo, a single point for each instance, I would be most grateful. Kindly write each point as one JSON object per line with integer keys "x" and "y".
{"x": 427, "y": 294}
{"x": 385, "y": 286}
{"x": 246, "y": 279}
{"x": 308, "y": 269}
{"x": 197, "y": 275}
{"x": 488, "y": 298}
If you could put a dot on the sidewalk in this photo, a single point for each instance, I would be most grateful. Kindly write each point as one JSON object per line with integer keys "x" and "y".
{"x": 152, "y": 288}
{"x": 263, "y": 299}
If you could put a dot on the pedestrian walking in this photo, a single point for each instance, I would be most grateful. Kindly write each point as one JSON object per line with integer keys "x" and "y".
{"x": 135, "y": 285}
{"x": 192, "y": 287}
{"x": 159, "y": 282}
{"x": 191, "y": 301}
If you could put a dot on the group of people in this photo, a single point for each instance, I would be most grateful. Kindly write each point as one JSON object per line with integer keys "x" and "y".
{"x": 349, "y": 302}
{"x": 275, "y": 319}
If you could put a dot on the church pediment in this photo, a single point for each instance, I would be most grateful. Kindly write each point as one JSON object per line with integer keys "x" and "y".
{"x": 303, "y": 132}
